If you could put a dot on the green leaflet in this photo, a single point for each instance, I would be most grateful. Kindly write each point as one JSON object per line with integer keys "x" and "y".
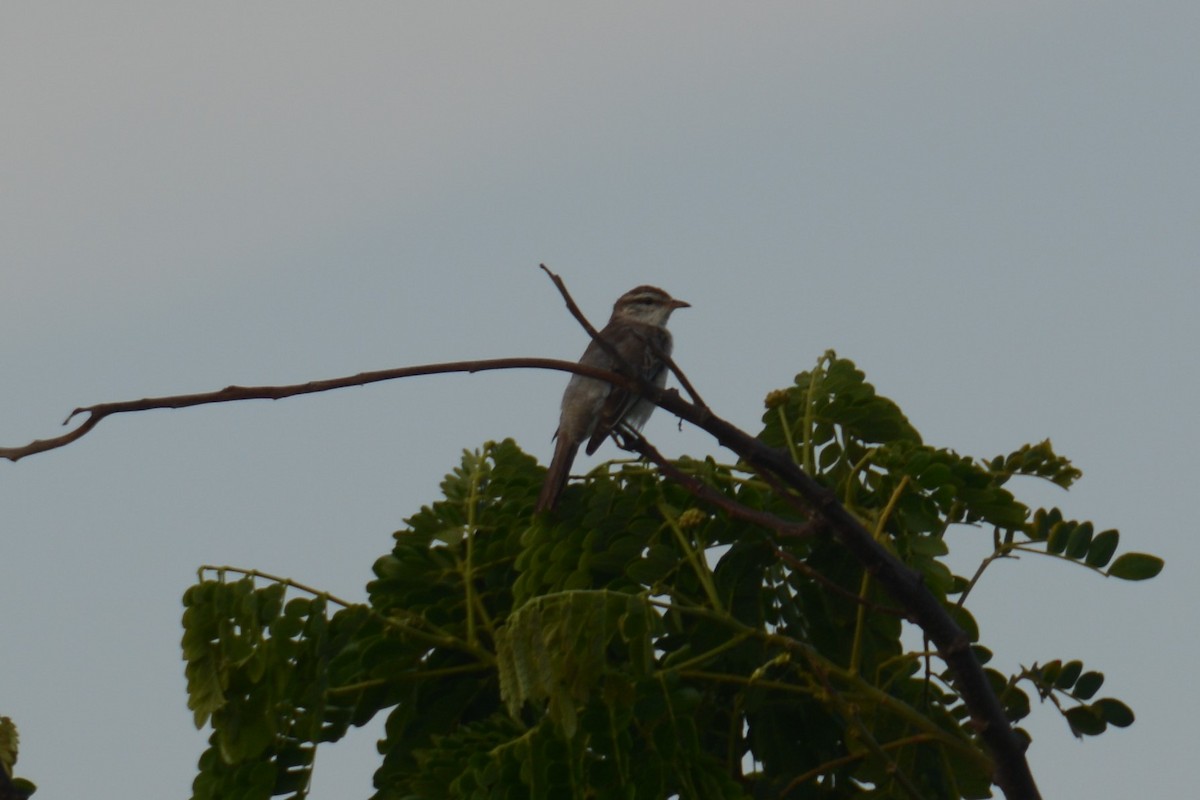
{"x": 560, "y": 648}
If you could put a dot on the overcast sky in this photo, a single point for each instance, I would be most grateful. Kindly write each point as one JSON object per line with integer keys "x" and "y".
{"x": 992, "y": 208}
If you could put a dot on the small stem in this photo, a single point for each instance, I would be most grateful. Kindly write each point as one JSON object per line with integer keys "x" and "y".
{"x": 788, "y": 437}
{"x": 266, "y": 576}
{"x": 440, "y": 637}
{"x": 375, "y": 683}
{"x": 829, "y": 766}
{"x": 742, "y": 680}
{"x": 854, "y": 470}
{"x": 810, "y": 402}
{"x": 472, "y": 523}
{"x": 849, "y": 712}
{"x": 872, "y": 694}
{"x": 728, "y": 644}
{"x": 695, "y": 558}
{"x": 860, "y": 621}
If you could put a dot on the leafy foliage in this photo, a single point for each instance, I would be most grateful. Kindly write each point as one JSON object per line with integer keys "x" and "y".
{"x": 260, "y": 670}
{"x": 11, "y": 788}
{"x": 639, "y": 644}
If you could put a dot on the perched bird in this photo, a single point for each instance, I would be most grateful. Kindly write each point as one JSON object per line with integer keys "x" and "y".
{"x": 592, "y": 409}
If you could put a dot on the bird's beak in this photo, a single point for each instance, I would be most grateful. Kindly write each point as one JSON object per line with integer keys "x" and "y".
{"x": 680, "y": 304}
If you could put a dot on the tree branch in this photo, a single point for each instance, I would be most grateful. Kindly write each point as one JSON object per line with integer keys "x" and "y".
{"x": 96, "y": 413}
{"x": 785, "y": 528}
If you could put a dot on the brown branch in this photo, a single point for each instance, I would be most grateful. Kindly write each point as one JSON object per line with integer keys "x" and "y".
{"x": 787, "y": 495}
{"x": 635, "y": 442}
{"x": 229, "y": 394}
{"x": 578, "y": 315}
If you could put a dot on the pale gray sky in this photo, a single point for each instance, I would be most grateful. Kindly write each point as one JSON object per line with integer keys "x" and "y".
{"x": 992, "y": 208}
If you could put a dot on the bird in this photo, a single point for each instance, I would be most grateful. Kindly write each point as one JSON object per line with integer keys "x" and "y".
{"x": 593, "y": 409}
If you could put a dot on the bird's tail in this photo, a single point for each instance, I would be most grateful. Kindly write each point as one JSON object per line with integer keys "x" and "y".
{"x": 556, "y": 476}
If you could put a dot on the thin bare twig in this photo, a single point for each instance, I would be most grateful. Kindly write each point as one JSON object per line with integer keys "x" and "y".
{"x": 96, "y": 413}
{"x": 579, "y": 317}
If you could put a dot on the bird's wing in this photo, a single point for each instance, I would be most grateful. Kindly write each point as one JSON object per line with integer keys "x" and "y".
{"x": 631, "y": 343}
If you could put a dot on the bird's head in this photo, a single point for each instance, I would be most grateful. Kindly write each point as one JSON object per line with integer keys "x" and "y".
{"x": 648, "y": 305}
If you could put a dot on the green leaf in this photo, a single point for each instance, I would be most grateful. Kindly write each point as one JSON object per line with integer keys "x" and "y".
{"x": 1101, "y": 550}
{"x": 936, "y": 475}
{"x": 964, "y": 620}
{"x": 1037, "y": 460}
{"x": 1136, "y": 566}
{"x": 22, "y": 788}
{"x": 1114, "y": 712}
{"x": 1043, "y": 521}
{"x": 1060, "y": 534}
{"x": 1050, "y": 671}
{"x": 8, "y": 745}
{"x": 1088, "y": 684}
{"x": 1085, "y": 721}
{"x": 1077, "y": 543}
{"x": 1069, "y": 674}
{"x": 1016, "y": 704}
{"x": 829, "y": 455}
